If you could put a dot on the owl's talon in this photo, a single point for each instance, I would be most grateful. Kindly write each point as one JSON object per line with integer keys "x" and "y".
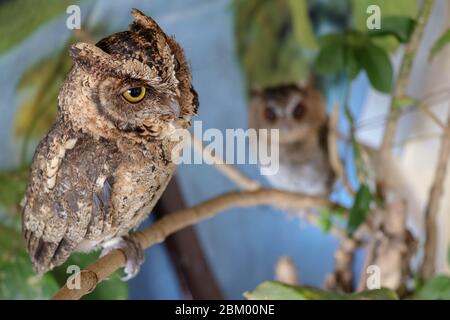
{"x": 133, "y": 252}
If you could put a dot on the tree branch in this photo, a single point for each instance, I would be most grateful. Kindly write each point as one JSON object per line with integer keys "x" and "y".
{"x": 226, "y": 169}
{"x": 402, "y": 84}
{"x": 341, "y": 279}
{"x": 432, "y": 209}
{"x": 246, "y": 183}
{"x": 391, "y": 248}
{"x": 161, "y": 229}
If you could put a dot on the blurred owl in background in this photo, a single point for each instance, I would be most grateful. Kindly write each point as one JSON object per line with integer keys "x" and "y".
{"x": 299, "y": 114}
{"x": 108, "y": 157}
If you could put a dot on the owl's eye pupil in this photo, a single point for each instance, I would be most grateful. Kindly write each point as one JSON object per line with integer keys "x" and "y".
{"x": 135, "y": 92}
{"x": 299, "y": 111}
{"x": 270, "y": 114}
{"x": 134, "y": 95}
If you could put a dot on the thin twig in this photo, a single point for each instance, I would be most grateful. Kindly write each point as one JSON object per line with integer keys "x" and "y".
{"x": 248, "y": 184}
{"x": 402, "y": 85}
{"x": 228, "y": 170}
{"x": 161, "y": 229}
{"x": 430, "y": 114}
{"x": 333, "y": 154}
{"x": 432, "y": 209}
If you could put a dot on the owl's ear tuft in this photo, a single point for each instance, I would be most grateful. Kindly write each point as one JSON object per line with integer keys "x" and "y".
{"x": 74, "y": 51}
{"x": 88, "y": 55}
{"x": 141, "y": 21}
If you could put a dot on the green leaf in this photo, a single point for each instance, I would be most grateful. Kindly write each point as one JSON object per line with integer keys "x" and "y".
{"x": 404, "y": 8}
{"x": 376, "y": 294}
{"x": 360, "y": 209}
{"x": 20, "y": 18}
{"x": 273, "y": 290}
{"x": 400, "y": 27}
{"x": 375, "y": 61}
{"x": 352, "y": 66}
{"x": 440, "y": 44}
{"x": 17, "y": 278}
{"x": 302, "y": 24}
{"x": 325, "y": 220}
{"x": 331, "y": 57}
{"x": 111, "y": 289}
{"x": 437, "y": 288}
{"x": 42, "y": 82}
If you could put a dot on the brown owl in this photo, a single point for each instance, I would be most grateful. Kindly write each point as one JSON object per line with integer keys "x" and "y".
{"x": 108, "y": 158}
{"x": 300, "y": 116}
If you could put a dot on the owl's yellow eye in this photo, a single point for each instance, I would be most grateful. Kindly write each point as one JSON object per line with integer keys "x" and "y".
{"x": 134, "y": 95}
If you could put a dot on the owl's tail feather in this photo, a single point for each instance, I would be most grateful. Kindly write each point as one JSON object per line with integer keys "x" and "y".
{"x": 46, "y": 255}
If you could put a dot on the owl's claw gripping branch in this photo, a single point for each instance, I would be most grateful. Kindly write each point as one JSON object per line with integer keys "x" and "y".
{"x": 133, "y": 251}
{"x": 158, "y": 231}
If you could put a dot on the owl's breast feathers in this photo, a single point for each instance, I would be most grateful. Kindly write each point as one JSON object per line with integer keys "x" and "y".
{"x": 84, "y": 190}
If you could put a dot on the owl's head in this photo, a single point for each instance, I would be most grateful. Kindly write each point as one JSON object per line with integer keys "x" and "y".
{"x": 296, "y": 111}
{"x": 134, "y": 82}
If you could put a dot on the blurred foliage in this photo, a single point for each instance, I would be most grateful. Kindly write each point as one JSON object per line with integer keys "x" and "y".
{"x": 273, "y": 290}
{"x": 17, "y": 278}
{"x": 276, "y": 43}
{"x": 400, "y": 27}
{"x": 360, "y": 209}
{"x": 325, "y": 219}
{"x": 12, "y": 187}
{"x": 389, "y": 8}
{"x": 41, "y": 85}
{"x": 20, "y": 18}
{"x": 440, "y": 44}
{"x": 264, "y": 30}
{"x": 352, "y": 51}
{"x": 273, "y": 40}
{"x": 301, "y": 24}
{"x": 436, "y": 288}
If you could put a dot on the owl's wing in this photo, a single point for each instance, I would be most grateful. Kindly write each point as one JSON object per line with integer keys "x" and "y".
{"x": 68, "y": 196}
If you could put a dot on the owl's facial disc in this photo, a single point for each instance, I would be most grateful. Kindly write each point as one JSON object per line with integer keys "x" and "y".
{"x": 297, "y": 112}
{"x": 133, "y": 105}
{"x": 136, "y": 81}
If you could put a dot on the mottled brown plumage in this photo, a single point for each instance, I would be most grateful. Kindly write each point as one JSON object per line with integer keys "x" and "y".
{"x": 106, "y": 161}
{"x": 300, "y": 116}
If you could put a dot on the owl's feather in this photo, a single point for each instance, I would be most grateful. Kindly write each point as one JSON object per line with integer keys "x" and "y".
{"x": 106, "y": 162}
{"x": 58, "y": 216}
